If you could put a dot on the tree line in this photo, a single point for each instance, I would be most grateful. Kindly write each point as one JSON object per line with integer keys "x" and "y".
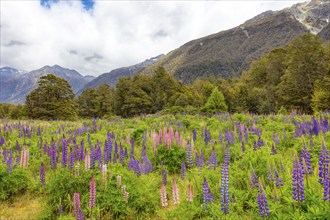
{"x": 296, "y": 77}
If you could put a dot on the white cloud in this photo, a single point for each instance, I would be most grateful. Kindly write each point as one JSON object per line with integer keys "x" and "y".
{"x": 114, "y": 33}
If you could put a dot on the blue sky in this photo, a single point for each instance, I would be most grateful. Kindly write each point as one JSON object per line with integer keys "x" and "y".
{"x": 88, "y": 4}
{"x": 94, "y": 37}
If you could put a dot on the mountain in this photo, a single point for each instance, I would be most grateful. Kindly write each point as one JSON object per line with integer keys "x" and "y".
{"x": 228, "y": 53}
{"x": 15, "y": 85}
{"x": 112, "y": 77}
{"x": 325, "y": 33}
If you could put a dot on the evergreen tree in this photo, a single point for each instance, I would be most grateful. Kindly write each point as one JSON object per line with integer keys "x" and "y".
{"x": 216, "y": 102}
{"x": 53, "y": 99}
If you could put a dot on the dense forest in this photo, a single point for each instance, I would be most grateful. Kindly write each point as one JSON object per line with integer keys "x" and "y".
{"x": 296, "y": 77}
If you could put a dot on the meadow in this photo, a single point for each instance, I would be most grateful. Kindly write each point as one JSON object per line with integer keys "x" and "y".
{"x": 224, "y": 166}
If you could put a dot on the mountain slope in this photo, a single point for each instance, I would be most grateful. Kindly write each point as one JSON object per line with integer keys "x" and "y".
{"x": 112, "y": 77}
{"x": 325, "y": 33}
{"x": 15, "y": 88}
{"x": 228, "y": 53}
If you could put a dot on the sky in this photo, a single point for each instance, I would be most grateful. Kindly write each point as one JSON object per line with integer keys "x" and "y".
{"x": 94, "y": 37}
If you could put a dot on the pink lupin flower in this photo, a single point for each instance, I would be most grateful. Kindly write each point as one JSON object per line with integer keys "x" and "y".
{"x": 175, "y": 192}
{"x": 92, "y": 192}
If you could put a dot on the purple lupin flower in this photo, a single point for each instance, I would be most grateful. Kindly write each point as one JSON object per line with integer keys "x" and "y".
{"x": 76, "y": 204}
{"x": 207, "y": 195}
{"x": 115, "y": 155}
{"x": 323, "y": 163}
{"x": 92, "y": 157}
{"x": 213, "y": 161}
{"x": 207, "y": 136}
{"x": 298, "y": 191}
{"x": 92, "y": 193}
{"x": 2, "y": 141}
{"x": 132, "y": 147}
{"x": 306, "y": 156}
{"x": 253, "y": 178}
{"x": 224, "y": 189}
{"x": 71, "y": 160}
{"x": 194, "y": 134}
{"x": 183, "y": 170}
{"x": 229, "y": 137}
{"x": 122, "y": 155}
{"x": 10, "y": 161}
{"x": 273, "y": 150}
{"x": 326, "y": 186}
{"x": 262, "y": 203}
{"x": 189, "y": 156}
{"x": 164, "y": 175}
{"x": 242, "y": 147}
{"x": 42, "y": 174}
{"x": 135, "y": 165}
{"x": 108, "y": 151}
{"x": 64, "y": 153}
{"x": 147, "y": 165}
{"x": 278, "y": 180}
{"x": 53, "y": 157}
{"x": 269, "y": 173}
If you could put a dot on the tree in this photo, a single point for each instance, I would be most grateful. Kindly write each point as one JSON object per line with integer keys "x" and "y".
{"x": 306, "y": 63}
{"x": 53, "y": 99}
{"x": 88, "y": 104}
{"x": 321, "y": 96}
{"x": 216, "y": 102}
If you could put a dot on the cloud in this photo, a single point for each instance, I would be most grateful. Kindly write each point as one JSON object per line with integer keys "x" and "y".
{"x": 111, "y": 34}
{"x": 94, "y": 57}
{"x": 14, "y": 43}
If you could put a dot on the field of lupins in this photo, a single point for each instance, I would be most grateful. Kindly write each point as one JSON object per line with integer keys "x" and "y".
{"x": 226, "y": 166}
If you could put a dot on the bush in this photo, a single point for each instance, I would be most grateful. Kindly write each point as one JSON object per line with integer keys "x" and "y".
{"x": 13, "y": 183}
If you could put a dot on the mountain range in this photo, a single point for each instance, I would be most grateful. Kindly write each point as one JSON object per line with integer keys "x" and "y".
{"x": 112, "y": 77}
{"x": 224, "y": 54}
{"x": 228, "y": 53}
{"x": 16, "y": 84}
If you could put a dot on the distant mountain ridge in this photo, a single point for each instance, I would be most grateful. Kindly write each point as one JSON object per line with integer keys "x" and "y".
{"x": 228, "y": 53}
{"x": 112, "y": 77}
{"x": 15, "y": 84}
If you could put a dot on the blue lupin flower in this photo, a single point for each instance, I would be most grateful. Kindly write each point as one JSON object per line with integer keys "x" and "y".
{"x": 298, "y": 191}
{"x": 183, "y": 170}
{"x": 323, "y": 163}
{"x": 306, "y": 156}
{"x": 207, "y": 195}
{"x": 213, "y": 161}
{"x": 262, "y": 203}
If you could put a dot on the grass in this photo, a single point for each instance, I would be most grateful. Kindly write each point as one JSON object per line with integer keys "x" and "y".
{"x": 25, "y": 206}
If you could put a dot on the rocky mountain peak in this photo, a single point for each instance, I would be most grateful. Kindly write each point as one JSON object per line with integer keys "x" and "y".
{"x": 314, "y": 15}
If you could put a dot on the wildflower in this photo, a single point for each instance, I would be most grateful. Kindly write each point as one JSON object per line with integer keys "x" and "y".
{"x": 262, "y": 203}
{"x": 42, "y": 174}
{"x": 163, "y": 197}
{"x": 190, "y": 193}
{"x": 224, "y": 189}
{"x": 253, "y": 178}
{"x": 183, "y": 170}
{"x": 207, "y": 195}
{"x": 297, "y": 181}
{"x": 92, "y": 193}
{"x": 76, "y": 204}
{"x": 175, "y": 192}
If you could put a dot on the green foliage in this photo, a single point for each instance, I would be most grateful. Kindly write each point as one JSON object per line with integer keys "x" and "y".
{"x": 171, "y": 158}
{"x": 13, "y": 183}
{"x": 53, "y": 99}
{"x": 96, "y": 103}
{"x": 216, "y": 102}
